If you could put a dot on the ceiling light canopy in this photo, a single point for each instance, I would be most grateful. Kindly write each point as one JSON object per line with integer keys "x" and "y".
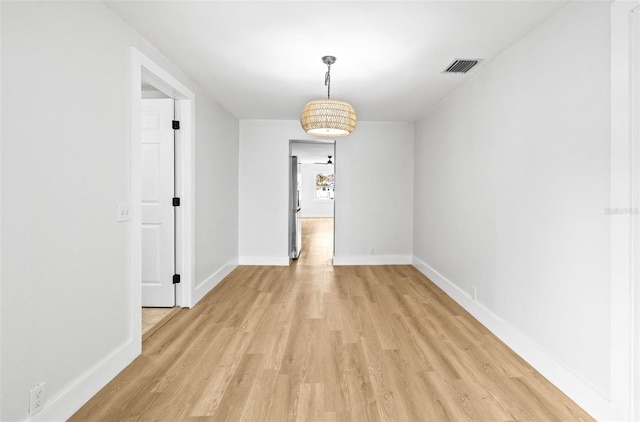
{"x": 328, "y": 117}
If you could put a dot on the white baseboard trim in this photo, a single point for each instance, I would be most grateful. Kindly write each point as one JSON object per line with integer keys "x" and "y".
{"x": 592, "y": 400}
{"x": 373, "y": 260}
{"x": 210, "y": 282}
{"x": 264, "y": 260}
{"x": 77, "y": 393}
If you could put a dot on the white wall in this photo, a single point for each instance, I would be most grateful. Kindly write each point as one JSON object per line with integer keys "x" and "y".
{"x": 511, "y": 185}
{"x": 364, "y": 217}
{"x": 65, "y": 161}
{"x": 374, "y": 195}
{"x": 310, "y": 206}
{"x": 216, "y": 204}
{"x": 264, "y": 190}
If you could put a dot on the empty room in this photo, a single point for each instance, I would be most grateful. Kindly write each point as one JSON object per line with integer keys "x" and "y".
{"x": 310, "y": 210}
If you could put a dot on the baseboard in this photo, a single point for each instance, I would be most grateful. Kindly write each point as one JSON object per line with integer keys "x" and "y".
{"x": 264, "y": 260}
{"x": 210, "y": 282}
{"x": 75, "y": 395}
{"x": 329, "y": 215}
{"x": 592, "y": 400}
{"x": 372, "y": 260}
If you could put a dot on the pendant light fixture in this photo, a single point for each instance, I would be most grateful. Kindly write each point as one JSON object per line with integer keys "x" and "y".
{"x": 328, "y": 117}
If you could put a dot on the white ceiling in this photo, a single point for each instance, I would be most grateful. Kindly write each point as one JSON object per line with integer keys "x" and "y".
{"x": 262, "y": 60}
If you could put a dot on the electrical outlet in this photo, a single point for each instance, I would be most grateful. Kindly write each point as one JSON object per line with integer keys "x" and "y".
{"x": 474, "y": 292}
{"x": 372, "y": 251}
{"x": 36, "y": 399}
{"x": 124, "y": 212}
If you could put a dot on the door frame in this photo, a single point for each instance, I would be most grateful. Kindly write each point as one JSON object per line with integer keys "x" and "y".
{"x": 634, "y": 290}
{"x": 624, "y": 402}
{"x": 143, "y": 68}
{"x": 332, "y": 142}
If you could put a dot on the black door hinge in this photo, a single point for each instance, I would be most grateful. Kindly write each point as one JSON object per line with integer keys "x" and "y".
{"x": 176, "y": 278}
{"x": 175, "y": 124}
{"x": 176, "y": 202}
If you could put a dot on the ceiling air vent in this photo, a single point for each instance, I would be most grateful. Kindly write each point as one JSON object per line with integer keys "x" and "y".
{"x": 461, "y": 66}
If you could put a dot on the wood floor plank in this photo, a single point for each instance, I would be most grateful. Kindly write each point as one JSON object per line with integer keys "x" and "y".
{"x": 234, "y": 400}
{"x": 282, "y": 400}
{"x": 362, "y": 401}
{"x": 313, "y": 342}
{"x": 213, "y": 385}
{"x": 258, "y": 399}
{"x": 336, "y": 389}
{"x": 380, "y": 381}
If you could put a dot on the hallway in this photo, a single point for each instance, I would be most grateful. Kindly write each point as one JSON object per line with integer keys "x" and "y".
{"x": 317, "y": 243}
{"x": 317, "y": 342}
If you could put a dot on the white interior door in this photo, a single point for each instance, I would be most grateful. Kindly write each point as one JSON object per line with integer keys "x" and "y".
{"x": 158, "y": 242}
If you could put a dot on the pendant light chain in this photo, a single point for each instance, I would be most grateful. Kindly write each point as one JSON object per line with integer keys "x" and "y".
{"x": 327, "y": 81}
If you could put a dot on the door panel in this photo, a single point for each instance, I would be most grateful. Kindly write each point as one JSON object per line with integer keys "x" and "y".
{"x": 152, "y": 245}
{"x": 158, "y": 243}
{"x": 152, "y": 167}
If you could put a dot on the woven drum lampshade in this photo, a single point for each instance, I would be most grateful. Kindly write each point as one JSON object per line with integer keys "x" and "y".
{"x": 328, "y": 117}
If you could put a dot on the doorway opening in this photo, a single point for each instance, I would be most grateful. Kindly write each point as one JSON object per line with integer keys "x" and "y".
{"x": 158, "y": 231}
{"x": 161, "y": 192}
{"x": 312, "y": 201}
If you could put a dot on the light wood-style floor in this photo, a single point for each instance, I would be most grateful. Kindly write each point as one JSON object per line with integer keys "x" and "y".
{"x": 154, "y": 318}
{"x": 321, "y": 343}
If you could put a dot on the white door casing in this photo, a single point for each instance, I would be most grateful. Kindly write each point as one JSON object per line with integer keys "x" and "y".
{"x": 158, "y": 234}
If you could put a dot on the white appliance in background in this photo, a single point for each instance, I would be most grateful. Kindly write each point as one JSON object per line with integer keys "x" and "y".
{"x": 295, "y": 225}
